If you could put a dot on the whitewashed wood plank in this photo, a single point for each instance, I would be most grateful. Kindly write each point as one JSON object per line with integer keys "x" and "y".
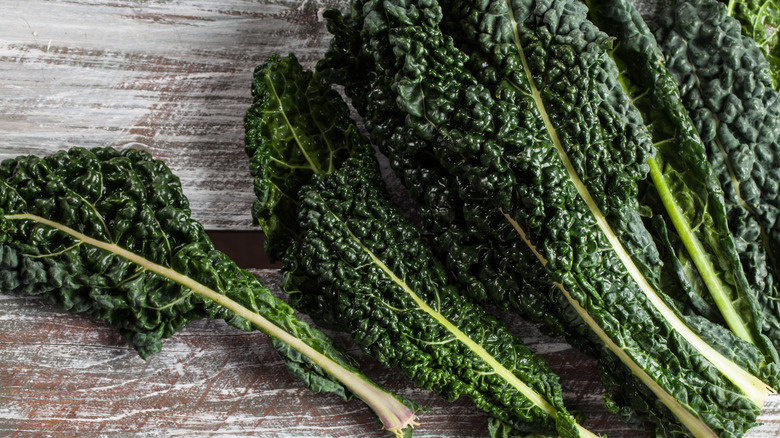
{"x": 170, "y": 77}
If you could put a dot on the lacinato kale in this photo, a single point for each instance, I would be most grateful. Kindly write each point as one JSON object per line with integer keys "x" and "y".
{"x": 109, "y": 234}
{"x": 505, "y": 132}
{"x": 356, "y": 264}
{"x": 723, "y": 78}
{"x": 760, "y": 20}
{"x": 476, "y": 244}
{"x": 689, "y": 216}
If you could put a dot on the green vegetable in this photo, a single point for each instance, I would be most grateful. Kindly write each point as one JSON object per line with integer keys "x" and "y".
{"x": 356, "y": 264}
{"x": 476, "y": 244}
{"x": 760, "y": 20}
{"x": 508, "y": 124}
{"x": 109, "y": 234}
{"x": 682, "y": 187}
{"x": 729, "y": 96}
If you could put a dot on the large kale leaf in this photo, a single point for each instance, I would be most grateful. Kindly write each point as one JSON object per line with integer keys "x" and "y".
{"x": 109, "y": 234}
{"x": 689, "y": 216}
{"x": 377, "y": 274}
{"x": 497, "y": 138}
{"x": 476, "y": 243}
{"x": 581, "y": 104}
{"x": 359, "y": 266}
{"x": 723, "y": 78}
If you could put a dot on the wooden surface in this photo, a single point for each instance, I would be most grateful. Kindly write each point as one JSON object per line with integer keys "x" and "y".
{"x": 67, "y": 375}
{"x": 172, "y": 77}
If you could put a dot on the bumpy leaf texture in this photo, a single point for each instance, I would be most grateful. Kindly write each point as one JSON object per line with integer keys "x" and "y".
{"x": 688, "y": 212}
{"x": 506, "y": 123}
{"x": 760, "y": 20}
{"x": 289, "y": 157}
{"x": 359, "y": 266}
{"x": 109, "y": 234}
{"x": 476, "y": 244}
{"x": 377, "y": 274}
{"x": 723, "y": 79}
{"x": 581, "y": 106}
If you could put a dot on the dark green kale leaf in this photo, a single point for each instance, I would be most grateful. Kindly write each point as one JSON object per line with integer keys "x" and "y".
{"x": 504, "y": 141}
{"x": 722, "y": 76}
{"x": 476, "y": 244}
{"x": 760, "y": 20}
{"x": 377, "y": 274}
{"x": 685, "y": 197}
{"x": 358, "y": 265}
{"x": 580, "y": 103}
{"x": 109, "y": 234}
{"x": 270, "y": 124}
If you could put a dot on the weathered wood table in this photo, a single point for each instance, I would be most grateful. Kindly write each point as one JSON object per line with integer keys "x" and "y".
{"x": 172, "y": 78}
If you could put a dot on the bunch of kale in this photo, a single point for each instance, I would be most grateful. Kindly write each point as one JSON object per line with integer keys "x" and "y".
{"x": 563, "y": 174}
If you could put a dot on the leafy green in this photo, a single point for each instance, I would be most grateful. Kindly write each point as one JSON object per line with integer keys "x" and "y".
{"x": 728, "y": 94}
{"x": 358, "y": 265}
{"x": 505, "y": 129}
{"x": 681, "y": 187}
{"x": 760, "y": 20}
{"x": 270, "y": 123}
{"x": 109, "y": 234}
{"x": 476, "y": 244}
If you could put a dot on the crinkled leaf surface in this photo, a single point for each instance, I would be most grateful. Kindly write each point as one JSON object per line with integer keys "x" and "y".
{"x": 380, "y": 278}
{"x": 723, "y": 78}
{"x": 109, "y": 234}
{"x": 492, "y": 133}
{"x": 475, "y": 242}
{"x": 681, "y": 188}
{"x": 358, "y": 265}
{"x": 760, "y": 20}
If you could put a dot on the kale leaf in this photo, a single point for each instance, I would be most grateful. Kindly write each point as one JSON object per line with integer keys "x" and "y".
{"x": 689, "y": 214}
{"x": 356, "y": 264}
{"x": 505, "y": 123}
{"x": 722, "y": 76}
{"x": 109, "y": 234}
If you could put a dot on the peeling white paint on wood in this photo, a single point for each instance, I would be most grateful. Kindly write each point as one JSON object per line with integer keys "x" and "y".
{"x": 170, "y": 77}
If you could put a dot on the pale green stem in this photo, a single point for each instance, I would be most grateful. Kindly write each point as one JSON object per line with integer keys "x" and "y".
{"x": 394, "y": 415}
{"x": 698, "y": 255}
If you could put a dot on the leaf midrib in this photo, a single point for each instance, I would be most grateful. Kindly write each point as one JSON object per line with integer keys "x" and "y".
{"x": 477, "y": 349}
{"x": 721, "y": 292}
{"x": 755, "y": 389}
{"x": 385, "y": 405}
{"x": 312, "y": 165}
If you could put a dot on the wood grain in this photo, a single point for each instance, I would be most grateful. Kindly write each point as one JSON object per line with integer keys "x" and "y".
{"x": 168, "y": 77}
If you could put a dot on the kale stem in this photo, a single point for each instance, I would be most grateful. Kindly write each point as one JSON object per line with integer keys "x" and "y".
{"x": 698, "y": 255}
{"x": 393, "y": 414}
